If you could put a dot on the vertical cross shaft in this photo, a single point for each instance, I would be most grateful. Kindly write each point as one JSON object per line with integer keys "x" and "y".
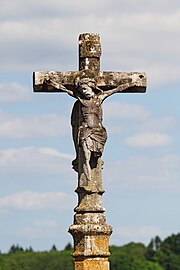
{"x": 90, "y": 231}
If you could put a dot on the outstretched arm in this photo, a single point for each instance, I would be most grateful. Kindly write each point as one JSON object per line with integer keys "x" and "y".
{"x": 51, "y": 81}
{"x": 135, "y": 80}
{"x": 120, "y": 88}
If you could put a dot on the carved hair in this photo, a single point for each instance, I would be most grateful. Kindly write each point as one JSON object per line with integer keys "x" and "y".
{"x": 87, "y": 74}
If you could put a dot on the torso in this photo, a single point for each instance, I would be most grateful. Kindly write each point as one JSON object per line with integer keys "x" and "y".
{"x": 92, "y": 112}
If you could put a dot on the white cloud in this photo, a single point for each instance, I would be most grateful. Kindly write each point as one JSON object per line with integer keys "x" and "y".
{"x": 162, "y": 73}
{"x": 141, "y": 234}
{"x": 29, "y": 200}
{"x": 32, "y": 159}
{"x": 130, "y": 6}
{"x": 149, "y": 126}
{"x": 149, "y": 139}
{"x": 148, "y": 40}
{"x": 49, "y": 223}
{"x": 47, "y": 8}
{"x": 119, "y": 110}
{"x": 40, "y": 229}
{"x": 158, "y": 124}
{"x": 48, "y": 125}
{"x": 12, "y": 92}
{"x": 159, "y": 172}
{"x": 18, "y": 8}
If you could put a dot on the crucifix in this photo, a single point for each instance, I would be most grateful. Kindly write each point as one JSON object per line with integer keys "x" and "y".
{"x": 90, "y": 88}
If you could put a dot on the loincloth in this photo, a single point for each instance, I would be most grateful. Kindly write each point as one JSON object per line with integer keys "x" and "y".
{"x": 95, "y": 138}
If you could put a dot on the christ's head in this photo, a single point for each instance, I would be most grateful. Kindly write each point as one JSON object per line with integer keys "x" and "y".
{"x": 86, "y": 87}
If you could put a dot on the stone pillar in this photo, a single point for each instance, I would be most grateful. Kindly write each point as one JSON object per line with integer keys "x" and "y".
{"x": 90, "y": 231}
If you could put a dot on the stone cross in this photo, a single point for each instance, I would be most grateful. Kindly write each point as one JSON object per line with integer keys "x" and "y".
{"x": 90, "y": 88}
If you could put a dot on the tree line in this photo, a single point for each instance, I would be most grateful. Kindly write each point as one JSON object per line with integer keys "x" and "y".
{"x": 17, "y": 248}
{"x": 157, "y": 255}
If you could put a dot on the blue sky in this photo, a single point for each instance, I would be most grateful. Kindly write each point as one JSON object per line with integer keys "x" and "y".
{"x": 141, "y": 174}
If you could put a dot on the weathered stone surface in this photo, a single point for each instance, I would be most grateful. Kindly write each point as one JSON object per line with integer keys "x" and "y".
{"x": 91, "y": 240}
{"x": 89, "y": 52}
{"x": 89, "y": 45}
{"x": 89, "y": 218}
{"x": 89, "y": 201}
{"x": 92, "y": 264}
{"x": 105, "y": 80}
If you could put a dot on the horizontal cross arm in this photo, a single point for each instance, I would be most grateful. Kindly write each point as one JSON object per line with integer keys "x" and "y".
{"x": 64, "y": 78}
{"x": 108, "y": 80}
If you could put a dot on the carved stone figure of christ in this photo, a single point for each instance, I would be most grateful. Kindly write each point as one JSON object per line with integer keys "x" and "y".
{"x": 86, "y": 119}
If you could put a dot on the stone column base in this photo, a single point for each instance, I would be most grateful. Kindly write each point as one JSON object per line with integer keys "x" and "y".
{"x": 91, "y": 245}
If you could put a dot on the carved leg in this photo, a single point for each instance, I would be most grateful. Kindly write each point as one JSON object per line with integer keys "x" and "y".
{"x": 86, "y": 166}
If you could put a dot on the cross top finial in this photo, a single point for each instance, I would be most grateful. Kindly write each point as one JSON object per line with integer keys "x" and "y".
{"x": 89, "y": 52}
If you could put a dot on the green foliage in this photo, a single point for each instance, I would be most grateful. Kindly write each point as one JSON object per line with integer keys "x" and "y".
{"x": 158, "y": 255}
{"x": 172, "y": 244}
{"x": 131, "y": 257}
{"x": 166, "y": 253}
{"x": 52, "y": 260}
{"x": 14, "y": 249}
{"x": 68, "y": 247}
{"x": 53, "y": 248}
